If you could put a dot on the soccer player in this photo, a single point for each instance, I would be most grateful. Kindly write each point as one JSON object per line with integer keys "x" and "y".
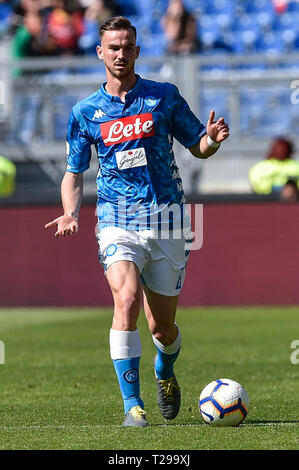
{"x": 132, "y": 122}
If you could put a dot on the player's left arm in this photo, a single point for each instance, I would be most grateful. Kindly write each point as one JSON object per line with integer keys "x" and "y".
{"x": 217, "y": 132}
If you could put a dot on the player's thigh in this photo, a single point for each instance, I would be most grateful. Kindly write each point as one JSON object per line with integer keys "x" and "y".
{"x": 124, "y": 281}
{"x": 124, "y": 276}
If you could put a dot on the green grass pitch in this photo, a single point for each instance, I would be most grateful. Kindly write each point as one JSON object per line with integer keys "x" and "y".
{"x": 58, "y": 388}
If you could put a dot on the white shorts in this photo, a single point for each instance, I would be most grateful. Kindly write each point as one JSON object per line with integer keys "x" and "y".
{"x": 161, "y": 262}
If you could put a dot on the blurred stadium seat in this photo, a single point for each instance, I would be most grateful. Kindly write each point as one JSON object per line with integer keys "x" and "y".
{"x": 62, "y": 104}
{"x": 270, "y": 43}
{"x": 128, "y": 7}
{"x": 214, "y": 7}
{"x": 285, "y": 21}
{"x": 258, "y": 6}
{"x": 5, "y": 17}
{"x": 293, "y": 6}
{"x": 220, "y": 100}
{"x": 265, "y": 111}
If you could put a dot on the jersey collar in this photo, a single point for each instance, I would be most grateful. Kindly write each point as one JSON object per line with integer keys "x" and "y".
{"x": 130, "y": 93}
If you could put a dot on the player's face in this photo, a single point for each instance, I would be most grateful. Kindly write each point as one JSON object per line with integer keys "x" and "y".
{"x": 118, "y": 50}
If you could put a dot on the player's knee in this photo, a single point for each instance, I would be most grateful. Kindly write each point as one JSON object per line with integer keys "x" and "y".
{"x": 126, "y": 311}
{"x": 129, "y": 302}
{"x": 164, "y": 333}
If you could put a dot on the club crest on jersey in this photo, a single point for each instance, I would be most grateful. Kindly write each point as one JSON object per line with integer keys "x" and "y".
{"x": 151, "y": 101}
{"x": 128, "y": 128}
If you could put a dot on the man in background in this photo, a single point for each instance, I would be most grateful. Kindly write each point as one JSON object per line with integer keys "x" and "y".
{"x": 7, "y": 177}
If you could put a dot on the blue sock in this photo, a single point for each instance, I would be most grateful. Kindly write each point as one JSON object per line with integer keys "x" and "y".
{"x": 164, "y": 364}
{"x": 127, "y": 371}
{"x": 166, "y": 357}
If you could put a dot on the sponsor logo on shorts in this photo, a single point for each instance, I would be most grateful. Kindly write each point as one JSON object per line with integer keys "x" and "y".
{"x": 131, "y": 158}
{"x": 111, "y": 249}
{"x": 128, "y": 128}
{"x": 131, "y": 375}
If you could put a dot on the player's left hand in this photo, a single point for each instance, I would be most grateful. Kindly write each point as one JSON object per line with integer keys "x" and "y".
{"x": 217, "y": 130}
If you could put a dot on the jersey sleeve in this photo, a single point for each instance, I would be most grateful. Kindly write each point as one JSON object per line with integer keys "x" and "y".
{"x": 78, "y": 144}
{"x": 186, "y": 127}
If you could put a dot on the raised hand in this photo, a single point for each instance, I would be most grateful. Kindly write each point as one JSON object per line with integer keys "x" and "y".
{"x": 219, "y": 130}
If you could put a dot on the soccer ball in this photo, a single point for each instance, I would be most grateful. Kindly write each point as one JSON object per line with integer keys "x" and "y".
{"x": 223, "y": 402}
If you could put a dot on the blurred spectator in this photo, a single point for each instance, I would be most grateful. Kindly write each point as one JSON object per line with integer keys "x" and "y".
{"x": 290, "y": 192}
{"x": 280, "y": 6}
{"x": 27, "y": 39}
{"x": 7, "y": 177}
{"x": 31, "y": 37}
{"x": 47, "y": 27}
{"x": 96, "y": 13}
{"x": 23, "y": 7}
{"x": 272, "y": 174}
{"x": 180, "y": 28}
{"x": 65, "y": 26}
{"x": 5, "y": 16}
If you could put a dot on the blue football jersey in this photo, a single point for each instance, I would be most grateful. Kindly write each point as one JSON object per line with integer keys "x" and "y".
{"x": 138, "y": 179}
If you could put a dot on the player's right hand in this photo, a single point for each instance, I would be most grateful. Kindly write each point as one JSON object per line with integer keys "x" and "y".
{"x": 66, "y": 225}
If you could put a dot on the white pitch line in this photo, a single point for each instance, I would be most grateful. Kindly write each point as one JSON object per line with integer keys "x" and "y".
{"x": 58, "y": 426}
{"x": 271, "y": 423}
{"x": 102, "y": 426}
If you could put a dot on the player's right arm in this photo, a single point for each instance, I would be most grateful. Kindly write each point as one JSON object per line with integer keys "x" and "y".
{"x": 71, "y": 195}
{"x": 78, "y": 158}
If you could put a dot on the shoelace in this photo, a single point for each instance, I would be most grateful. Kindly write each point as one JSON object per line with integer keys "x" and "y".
{"x": 168, "y": 386}
{"x": 137, "y": 412}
